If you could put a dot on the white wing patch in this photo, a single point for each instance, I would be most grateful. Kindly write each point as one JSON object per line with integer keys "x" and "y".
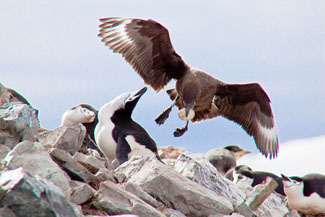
{"x": 116, "y": 37}
{"x": 270, "y": 136}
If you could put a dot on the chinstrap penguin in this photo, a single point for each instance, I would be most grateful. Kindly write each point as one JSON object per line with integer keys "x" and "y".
{"x": 117, "y": 135}
{"x": 306, "y": 194}
{"x": 225, "y": 159}
{"x": 257, "y": 177}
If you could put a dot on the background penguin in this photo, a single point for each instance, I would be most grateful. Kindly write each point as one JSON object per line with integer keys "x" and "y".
{"x": 117, "y": 135}
{"x": 224, "y": 159}
{"x": 306, "y": 194}
{"x": 257, "y": 176}
{"x": 87, "y": 116}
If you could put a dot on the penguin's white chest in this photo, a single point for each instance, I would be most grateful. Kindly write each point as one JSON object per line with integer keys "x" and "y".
{"x": 313, "y": 204}
{"x": 105, "y": 141}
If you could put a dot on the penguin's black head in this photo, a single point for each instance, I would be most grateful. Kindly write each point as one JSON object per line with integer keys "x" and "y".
{"x": 132, "y": 99}
{"x": 121, "y": 106}
{"x": 292, "y": 181}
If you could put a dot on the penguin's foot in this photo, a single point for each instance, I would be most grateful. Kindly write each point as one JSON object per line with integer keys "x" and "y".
{"x": 180, "y": 131}
{"x": 163, "y": 116}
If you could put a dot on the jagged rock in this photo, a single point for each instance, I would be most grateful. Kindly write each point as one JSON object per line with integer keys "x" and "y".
{"x": 26, "y": 195}
{"x": 18, "y": 122}
{"x": 68, "y": 138}
{"x": 137, "y": 191}
{"x": 115, "y": 200}
{"x": 273, "y": 206}
{"x": 73, "y": 168}
{"x": 172, "y": 213}
{"x": 6, "y": 212}
{"x": 201, "y": 171}
{"x": 174, "y": 190}
{"x": 170, "y": 152}
{"x": 104, "y": 174}
{"x": 90, "y": 162}
{"x": 4, "y": 150}
{"x": 34, "y": 158}
{"x": 8, "y": 95}
{"x": 131, "y": 167}
{"x": 80, "y": 192}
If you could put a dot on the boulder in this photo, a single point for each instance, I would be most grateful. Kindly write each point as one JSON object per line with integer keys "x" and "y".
{"x": 137, "y": 191}
{"x": 92, "y": 163}
{"x": 174, "y": 190}
{"x": 18, "y": 122}
{"x": 273, "y": 206}
{"x": 4, "y": 150}
{"x": 104, "y": 174}
{"x": 114, "y": 200}
{"x": 68, "y": 138}
{"x": 75, "y": 170}
{"x": 34, "y": 158}
{"x": 80, "y": 192}
{"x": 8, "y": 95}
{"x": 25, "y": 195}
{"x": 201, "y": 171}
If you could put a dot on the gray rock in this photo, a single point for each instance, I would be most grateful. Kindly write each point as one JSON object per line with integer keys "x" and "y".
{"x": 26, "y": 195}
{"x": 80, "y": 192}
{"x": 4, "y": 150}
{"x": 131, "y": 167}
{"x": 73, "y": 168}
{"x": 137, "y": 191}
{"x": 104, "y": 174}
{"x": 34, "y": 158}
{"x": 177, "y": 191}
{"x": 172, "y": 213}
{"x": 8, "y": 95}
{"x": 90, "y": 162}
{"x": 115, "y": 200}
{"x": 6, "y": 212}
{"x": 201, "y": 171}
{"x": 68, "y": 138}
{"x": 273, "y": 206}
{"x": 18, "y": 122}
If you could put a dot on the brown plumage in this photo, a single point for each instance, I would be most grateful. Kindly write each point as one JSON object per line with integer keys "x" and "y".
{"x": 146, "y": 46}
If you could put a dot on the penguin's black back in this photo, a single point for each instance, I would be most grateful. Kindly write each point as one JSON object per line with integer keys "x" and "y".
{"x": 260, "y": 176}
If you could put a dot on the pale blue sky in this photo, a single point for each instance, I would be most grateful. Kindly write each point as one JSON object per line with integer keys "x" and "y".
{"x": 50, "y": 53}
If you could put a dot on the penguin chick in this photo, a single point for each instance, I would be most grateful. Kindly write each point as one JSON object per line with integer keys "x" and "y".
{"x": 117, "y": 135}
{"x": 78, "y": 114}
{"x": 225, "y": 159}
{"x": 87, "y": 116}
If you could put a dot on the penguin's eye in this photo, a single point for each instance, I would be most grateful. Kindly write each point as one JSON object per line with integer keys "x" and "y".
{"x": 127, "y": 98}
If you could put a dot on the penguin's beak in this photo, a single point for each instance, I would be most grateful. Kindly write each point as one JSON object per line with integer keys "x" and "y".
{"x": 285, "y": 178}
{"x": 133, "y": 100}
{"x": 140, "y": 92}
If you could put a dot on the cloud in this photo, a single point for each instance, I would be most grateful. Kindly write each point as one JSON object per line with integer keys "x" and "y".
{"x": 296, "y": 158}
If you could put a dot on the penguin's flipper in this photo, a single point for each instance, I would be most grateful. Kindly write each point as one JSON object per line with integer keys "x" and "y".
{"x": 122, "y": 150}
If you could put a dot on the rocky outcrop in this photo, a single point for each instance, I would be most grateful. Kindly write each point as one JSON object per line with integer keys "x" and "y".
{"x": 18, "y": 122}
{"x": 35, "y": 159}
{"x": 23, "y": 194}
{"x": 47, "y": 173}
